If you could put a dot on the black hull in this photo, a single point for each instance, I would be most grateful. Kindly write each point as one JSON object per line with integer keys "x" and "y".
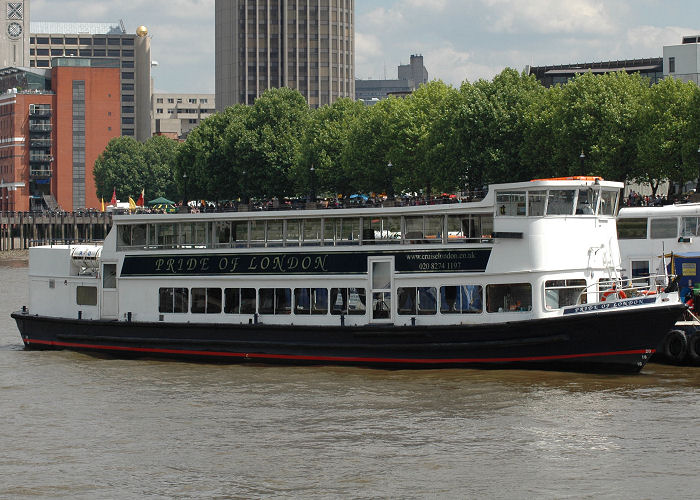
{"x": 611, "y": 341}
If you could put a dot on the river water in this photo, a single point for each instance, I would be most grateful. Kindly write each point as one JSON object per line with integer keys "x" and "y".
{"x": 78, "y": 426}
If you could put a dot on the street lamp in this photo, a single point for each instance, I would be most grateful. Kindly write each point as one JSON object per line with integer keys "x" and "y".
{"x": 184, "y": 192}
{"x": 582, "y": 157}
{"x": 312, "y": 172}
{"x": 390, "y": 183}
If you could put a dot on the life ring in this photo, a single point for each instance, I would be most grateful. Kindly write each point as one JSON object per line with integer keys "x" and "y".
{"x": 620, "y": 294}
{"x": 694, "y": 347}
{"x": 675, "y": 346}
{"x": 649, "y": 292}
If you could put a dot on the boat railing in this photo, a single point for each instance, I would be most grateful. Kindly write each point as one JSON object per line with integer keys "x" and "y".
{"x": 626, "y": 288}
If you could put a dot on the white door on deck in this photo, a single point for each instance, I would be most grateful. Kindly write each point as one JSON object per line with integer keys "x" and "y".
{"x": 381, "y": 278}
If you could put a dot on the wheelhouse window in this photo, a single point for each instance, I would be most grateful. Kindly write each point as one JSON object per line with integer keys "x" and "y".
{"x": 690, "y": 226}
{"x": 206, "y": 301}
{"x": 417, "y": 300}
{"x": 632, "y": 229}
{"x": 173, "y": 300}
{"x": 587, "y": 201}
{"x": 86, "y": 295}
{"x": 510, "y": 204}
{"x": 561, "y": 202}
{"x": 462, "y": 299}
{"x": 562, "y": 293}
{"x": 516, "y": 297}
{"x": 536, "y": 203}
{"x": 608, "y": 203}
{"x": 640, "y": 272}
{"x": 663, "y": 228}
{"x": 350, "y": 301}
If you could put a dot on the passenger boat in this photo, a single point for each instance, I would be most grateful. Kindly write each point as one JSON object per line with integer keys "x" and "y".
{"x": 526, "y": 277}
{"x": 666, "y": 239}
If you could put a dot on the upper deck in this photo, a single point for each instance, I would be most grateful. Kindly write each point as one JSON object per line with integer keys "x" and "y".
{"x": 507, "y": 211}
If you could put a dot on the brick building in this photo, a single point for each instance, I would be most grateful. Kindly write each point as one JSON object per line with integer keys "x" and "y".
{"x": 53, "y": 126}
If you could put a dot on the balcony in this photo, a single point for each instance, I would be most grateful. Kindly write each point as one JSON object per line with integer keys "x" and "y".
{"x": 41, "y": 127}
{"x": 40, "y": 143}
{"x": 40, "y": 158}
{"x": 39, "y": 111}
{"x": 40, "y": 172}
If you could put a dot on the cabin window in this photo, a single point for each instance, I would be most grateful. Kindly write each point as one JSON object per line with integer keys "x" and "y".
{"x": 129, "y": 236}
{"x": 690, "y": 226}
{"x": 510, "y": 204}
{"x": 562, "y": 293}
{"x": 310, "y": 301}
{"x": 348, "y": 301}
{"x": 275, "y": 233}
{"x": 257, "y": 233}
{"x": 516, "y": 297}
{"x": 663, "y": 228}
{"x": 239, "y": 300}
{"x": 385, "y": 230}
{"x": 312, "y": 232}
{"x": 561, "y": 202}
{"x": 166, "y": 235}
{"x": 587, "y": 201}
{"x": 206, "y": 301}
{"x": 109, "y": 276}
{"x": 536, "y": 202}
{"x": 464, "y": 299}
{"x": 275, "y": 301}
{"x": 86, "y": 295}
{"x": 193, "y": 234}
{"x": 173, "y": 300}
{"x": 222, "y": 231}
{"x": 417, "y": 300}
{"x": 292, "y": 235}
{"x": 640, "y": 272}
{"x": 632, "y": 229}
{"x": 608, "y": 203}
{"x": 424, "y": 229}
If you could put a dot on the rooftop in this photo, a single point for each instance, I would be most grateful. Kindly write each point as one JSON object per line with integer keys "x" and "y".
{"x": 77, "y": 28}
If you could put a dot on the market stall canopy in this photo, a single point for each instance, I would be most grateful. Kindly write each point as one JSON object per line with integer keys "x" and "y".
{"x": 161, "y": 201}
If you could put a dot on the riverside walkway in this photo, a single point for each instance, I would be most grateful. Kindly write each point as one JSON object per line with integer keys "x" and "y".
{"x": 21, "y": 230}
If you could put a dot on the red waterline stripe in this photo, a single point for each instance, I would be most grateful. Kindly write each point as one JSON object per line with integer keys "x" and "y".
{"x": 334, "y": 358}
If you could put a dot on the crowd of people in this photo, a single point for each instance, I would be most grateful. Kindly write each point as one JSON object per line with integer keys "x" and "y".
{"x": 635, "y": 199}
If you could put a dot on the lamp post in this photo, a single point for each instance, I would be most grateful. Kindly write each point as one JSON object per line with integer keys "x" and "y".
{"x": 390, "y": 185}
{"x": 312, "y": 174}
{"x": 582, "y": 157}
{"x": 185, "y": 201}
{"x": 697, "y": 186}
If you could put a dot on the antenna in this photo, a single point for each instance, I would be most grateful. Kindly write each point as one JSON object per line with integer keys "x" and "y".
{"x": 121, "y": 24}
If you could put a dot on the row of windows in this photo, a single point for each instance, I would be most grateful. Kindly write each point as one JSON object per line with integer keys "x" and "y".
{"x": 45, "y": 40}
{"x": 171, "y": 100}
{"x": 308, "y": 232}
{"x": 85, "y": 53}
{"x": 538, "y": 203}
{"x": 453, "y": 299}
{"x": 641, "y": 228}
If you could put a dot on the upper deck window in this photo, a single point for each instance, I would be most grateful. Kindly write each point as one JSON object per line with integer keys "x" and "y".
{"x": 510, "y": 203}
{"x": 561, "y": 202}
{"x": 632, "y": 229}
{"x": 663, "y": 228}
{"x": 536, "y": 201}
{"x": 690, "y": 226}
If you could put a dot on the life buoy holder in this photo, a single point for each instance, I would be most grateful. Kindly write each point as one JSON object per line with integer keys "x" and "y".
{"x": 613, "y": 291}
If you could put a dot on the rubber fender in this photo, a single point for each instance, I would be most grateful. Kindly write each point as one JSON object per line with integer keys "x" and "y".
{"x": 675, "y": 346}
{"x": 694, "y": 347}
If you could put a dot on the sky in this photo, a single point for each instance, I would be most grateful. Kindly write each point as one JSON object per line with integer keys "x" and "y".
{"x": 459, "y": 39}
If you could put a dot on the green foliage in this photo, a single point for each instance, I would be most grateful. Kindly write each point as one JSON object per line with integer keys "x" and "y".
{"x": 438, "y": 139}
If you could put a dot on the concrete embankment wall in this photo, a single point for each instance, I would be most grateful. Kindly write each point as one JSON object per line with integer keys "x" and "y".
{"x": 21, "y": 230}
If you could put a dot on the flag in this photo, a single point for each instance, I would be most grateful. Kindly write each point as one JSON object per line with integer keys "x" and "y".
{"x": 132, "y": 204}
{"x": 114, "y": 198}
{"x": 103, "y": 204}
{"x": 140, "y": 201}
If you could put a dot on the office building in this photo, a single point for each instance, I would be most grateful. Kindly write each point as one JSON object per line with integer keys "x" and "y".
{"x": 683, "y": 61}
{"x": 14, "y": 41}
{"x": 54, "y": 124}
{"x": 175, "y": 115}
{"x": 652, "y": 68}
{"x": 49, "y": 40}
{"x": 307, "y": 45}
{"x": 410, "y": 77}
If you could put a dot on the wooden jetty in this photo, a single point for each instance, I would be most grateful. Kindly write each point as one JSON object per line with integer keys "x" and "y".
{"x": 21, "y": 230}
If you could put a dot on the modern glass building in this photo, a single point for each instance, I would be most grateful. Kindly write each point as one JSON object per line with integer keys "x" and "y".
{"x": 308, "y": 45}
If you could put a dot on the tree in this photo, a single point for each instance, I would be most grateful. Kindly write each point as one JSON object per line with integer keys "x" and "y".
{"x": 160, "y": 155}
{"x": 121, "y": 167}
